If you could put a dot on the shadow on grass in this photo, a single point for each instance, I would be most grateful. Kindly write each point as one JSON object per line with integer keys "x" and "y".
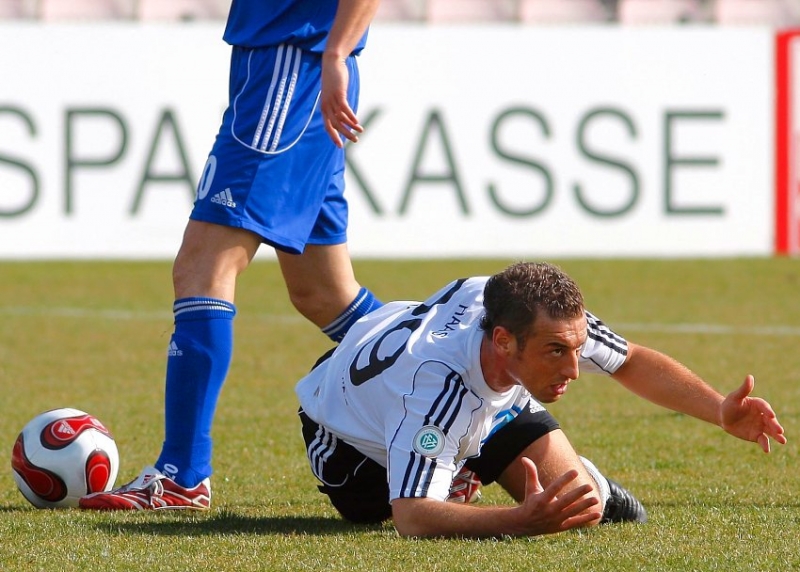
{"x": 227, "y": 522}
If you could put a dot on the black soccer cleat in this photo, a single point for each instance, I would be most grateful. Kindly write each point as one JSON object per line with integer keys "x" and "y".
{"x": 622, "y": 506}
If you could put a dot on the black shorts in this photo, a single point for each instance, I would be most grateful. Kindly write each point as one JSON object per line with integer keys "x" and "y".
{"x": 357, "y": 486}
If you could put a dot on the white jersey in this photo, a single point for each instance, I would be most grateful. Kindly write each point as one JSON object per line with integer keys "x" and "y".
{"x": 405, "y": 387}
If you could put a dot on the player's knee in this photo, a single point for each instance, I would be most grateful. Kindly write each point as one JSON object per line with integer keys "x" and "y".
{"x": 191, "y": 278}
{"x": 201, "y": 274}
{"x": 306, "y": 300}
{"x": 375, "y": 516}
{"x": 359, "y": 508}
{"x": 210, "y": 259}
{"x": 182, "y": 276}
{"x": 596, "y": 508}
{"x": 318, "y": 304}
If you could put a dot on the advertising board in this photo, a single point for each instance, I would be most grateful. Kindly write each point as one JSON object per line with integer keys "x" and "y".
{"x": 506, "y": 141}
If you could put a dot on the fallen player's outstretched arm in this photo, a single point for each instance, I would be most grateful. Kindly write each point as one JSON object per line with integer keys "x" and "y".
{"x": 666, "y": 382}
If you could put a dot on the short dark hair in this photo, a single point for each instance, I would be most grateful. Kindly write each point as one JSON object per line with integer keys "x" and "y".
{"x": 514, "y": 297}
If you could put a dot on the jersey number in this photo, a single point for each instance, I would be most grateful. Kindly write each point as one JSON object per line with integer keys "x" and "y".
{"x": 376, "y": 365}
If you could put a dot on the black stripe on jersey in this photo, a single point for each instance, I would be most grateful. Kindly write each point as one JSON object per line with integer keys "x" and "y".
{"x": 423, "y": 473}
{"x": 450, "y": 394}
{"x": 413, "y": 459}
{"x": 431, "y": 469}
{"x": 443, "y": 413}
{"x": 447, "y": 424}
{"x": 414, "y": 470}
{"x": 443, "y": 299}
{"x": 439, "y": 398}
{"x": 597, "y": 330}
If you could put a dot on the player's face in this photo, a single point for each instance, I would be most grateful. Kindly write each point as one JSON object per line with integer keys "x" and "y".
{"x": 549, "y": 361}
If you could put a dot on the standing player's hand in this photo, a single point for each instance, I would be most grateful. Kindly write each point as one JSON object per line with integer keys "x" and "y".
{"x": 546, "y": 510}
{"x": 750, "y": 418}
{"x": 338, "y": 117}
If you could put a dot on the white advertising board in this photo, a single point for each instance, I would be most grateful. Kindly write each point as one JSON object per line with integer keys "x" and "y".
{"x": 480, "y": 141}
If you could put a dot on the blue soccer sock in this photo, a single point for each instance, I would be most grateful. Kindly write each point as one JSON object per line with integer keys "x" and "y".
{"x": 198, "y": 360}
{"x": 364, "y": 303}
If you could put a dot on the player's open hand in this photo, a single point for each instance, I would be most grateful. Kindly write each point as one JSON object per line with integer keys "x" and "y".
{"x": 338, "y": 117}
{"x": 750, "y": 418}
{"x": 547, "y": 510}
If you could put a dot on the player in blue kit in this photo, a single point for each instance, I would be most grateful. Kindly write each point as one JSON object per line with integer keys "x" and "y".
{"x": 275, "y": 175}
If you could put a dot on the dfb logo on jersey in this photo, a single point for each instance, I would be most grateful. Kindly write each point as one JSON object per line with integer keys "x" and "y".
{"x": 429, "y": 441}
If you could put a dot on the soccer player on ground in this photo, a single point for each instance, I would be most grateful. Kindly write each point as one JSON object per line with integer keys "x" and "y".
{"x": 419, "y": 393}
{"x": 275, "y": 175}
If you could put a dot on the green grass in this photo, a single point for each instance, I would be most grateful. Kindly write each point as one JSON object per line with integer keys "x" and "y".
{"x": 94, "y": 335}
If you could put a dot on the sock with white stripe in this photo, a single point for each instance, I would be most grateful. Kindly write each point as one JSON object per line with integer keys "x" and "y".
{"x": 198, "y": 360}
{"x": 364, "y": 302}
{"x": 602, "y": 483}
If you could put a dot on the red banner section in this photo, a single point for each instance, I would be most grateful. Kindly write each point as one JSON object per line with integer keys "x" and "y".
{"x": 787, "y": 143}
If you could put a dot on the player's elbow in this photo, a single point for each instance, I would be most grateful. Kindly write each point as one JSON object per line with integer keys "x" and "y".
{"x": 410, "y": 527}
{"x": 407, "y": 530}
{"x": 411, "y": 519}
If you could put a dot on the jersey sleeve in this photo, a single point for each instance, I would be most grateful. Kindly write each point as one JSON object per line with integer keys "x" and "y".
{"x": 432, "y": 429}
{"x": 604, "y": 351}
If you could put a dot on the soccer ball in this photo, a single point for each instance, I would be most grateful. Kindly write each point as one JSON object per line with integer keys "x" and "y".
{"x": 62, "y": 455}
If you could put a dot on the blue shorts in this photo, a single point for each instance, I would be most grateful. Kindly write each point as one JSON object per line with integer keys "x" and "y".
{"x": 273, "y": 169}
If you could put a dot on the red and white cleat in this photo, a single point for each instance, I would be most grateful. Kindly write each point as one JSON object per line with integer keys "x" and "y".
{"x": 151, "y": 490}
{"x": 465, "y": 488}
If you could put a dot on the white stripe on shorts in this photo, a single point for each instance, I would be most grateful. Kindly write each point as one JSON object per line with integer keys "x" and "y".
{"x": 285, "y": 77}
{"x": 282, "y": 87}
{"x": 323, "y": 446}
{"x": 289, "y": 92}
{"x": 265, "y": 110}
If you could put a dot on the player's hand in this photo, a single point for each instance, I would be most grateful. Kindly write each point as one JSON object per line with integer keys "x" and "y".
{"x": 750, "y": 418}
{"x": 547, "y": 510}
{"x": 338, "y": 117}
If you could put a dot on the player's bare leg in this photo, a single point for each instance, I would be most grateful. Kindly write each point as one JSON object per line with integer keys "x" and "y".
{"x": 323, "y": 288}
{"x": 320, "y": 282}
{"x": 210, "y": 260}
{"x": 553, "y": 455}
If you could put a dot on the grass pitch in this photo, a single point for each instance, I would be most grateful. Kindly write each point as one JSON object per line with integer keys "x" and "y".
{"x": 93, "y": 335}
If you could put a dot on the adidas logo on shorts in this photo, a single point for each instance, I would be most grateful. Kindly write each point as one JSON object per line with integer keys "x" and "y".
{"x": 224, "y": 198}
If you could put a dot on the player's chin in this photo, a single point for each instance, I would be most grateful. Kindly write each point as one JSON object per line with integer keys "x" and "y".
{"x": 547, "y": 397}
{"x": 553, "y": 393}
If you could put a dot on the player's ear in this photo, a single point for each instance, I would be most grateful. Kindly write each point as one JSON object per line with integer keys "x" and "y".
{"x": 503, "y": 340}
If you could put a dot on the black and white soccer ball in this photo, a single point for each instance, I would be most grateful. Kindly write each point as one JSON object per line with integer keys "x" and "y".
{"x": 62, "y": 455}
